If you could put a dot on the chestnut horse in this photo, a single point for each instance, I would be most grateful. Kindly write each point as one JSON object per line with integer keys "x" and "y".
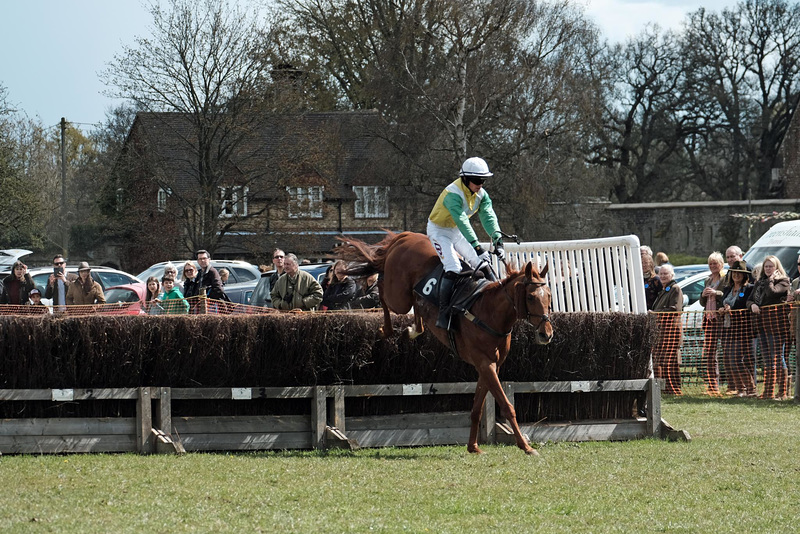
{"x": 404, "y": 259}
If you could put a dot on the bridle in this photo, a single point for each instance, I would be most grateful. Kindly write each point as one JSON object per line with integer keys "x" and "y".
{"x": 543, "y": 317}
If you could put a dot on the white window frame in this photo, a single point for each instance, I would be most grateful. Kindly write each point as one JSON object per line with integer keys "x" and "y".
{"x": 234, "y": 201}
{"x": 161, "y": 198}
{"x": 119, "y": 197}
{"x": 372, "y": 201}
{"x": 305, "y": 202}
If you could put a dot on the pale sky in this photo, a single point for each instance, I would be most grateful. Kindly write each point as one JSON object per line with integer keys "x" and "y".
{"x": 53, "y": 50}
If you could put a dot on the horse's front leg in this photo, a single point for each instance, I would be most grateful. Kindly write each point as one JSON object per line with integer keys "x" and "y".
{"x": 475, "y": 415}
{"x": 488, "y": 372}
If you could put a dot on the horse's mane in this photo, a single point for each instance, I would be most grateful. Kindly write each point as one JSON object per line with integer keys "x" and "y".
{"x": 511, "y": 275}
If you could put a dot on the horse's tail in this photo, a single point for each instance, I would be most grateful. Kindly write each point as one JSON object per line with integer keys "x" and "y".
{"x": 365, "y": 259}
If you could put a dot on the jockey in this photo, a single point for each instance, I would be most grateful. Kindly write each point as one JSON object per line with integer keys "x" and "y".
{"x": 451, "y": 233}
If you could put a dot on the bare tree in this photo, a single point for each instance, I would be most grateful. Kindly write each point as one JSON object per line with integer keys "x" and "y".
{"x": 643, "y": 119}
{"x": 23, "y": 221}
{"x": 457, "y": 78}
{"x": 745, "y": 65}
{"x": 204, "y": 61}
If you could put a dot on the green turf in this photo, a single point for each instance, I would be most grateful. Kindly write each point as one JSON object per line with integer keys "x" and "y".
{"x": 737, "y": 475}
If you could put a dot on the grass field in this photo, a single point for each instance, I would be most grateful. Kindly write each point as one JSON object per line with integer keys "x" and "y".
{"x": 739, "y": 474}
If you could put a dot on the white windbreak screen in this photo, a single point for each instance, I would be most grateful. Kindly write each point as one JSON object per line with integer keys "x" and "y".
{"x": 585, "y": 275}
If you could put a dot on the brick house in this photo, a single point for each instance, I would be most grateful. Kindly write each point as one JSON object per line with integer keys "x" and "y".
{"x": 289, "y": 181}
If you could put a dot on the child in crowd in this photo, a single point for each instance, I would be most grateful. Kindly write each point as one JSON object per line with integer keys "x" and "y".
{"x": 36, "y": 300}
{"x": 172, "y": 299}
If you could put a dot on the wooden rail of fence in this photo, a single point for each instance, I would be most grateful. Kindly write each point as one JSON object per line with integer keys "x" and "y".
{"x": 155, "y": 429}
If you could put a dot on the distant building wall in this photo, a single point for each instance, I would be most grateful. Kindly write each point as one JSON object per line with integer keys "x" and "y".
{"x": 694, "y": 228}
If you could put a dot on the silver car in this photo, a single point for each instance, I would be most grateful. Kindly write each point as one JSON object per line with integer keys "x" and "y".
{"x": 240, "y": 271}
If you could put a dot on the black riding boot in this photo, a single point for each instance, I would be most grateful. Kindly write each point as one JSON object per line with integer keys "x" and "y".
{"x": 445, "y": 295}
{"x": 488, "y": 273}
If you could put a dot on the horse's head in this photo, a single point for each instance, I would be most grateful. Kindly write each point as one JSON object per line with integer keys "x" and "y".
{"x": 537, "y": 303}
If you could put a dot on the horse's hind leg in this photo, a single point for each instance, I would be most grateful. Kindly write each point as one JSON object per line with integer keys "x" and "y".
{"x": 475, "y": 416}
{"x": 386, "y": 330}
{"x": 488, "y": 372}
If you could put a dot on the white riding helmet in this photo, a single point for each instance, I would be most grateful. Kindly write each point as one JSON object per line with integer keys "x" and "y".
{"x": 475, "y": 167}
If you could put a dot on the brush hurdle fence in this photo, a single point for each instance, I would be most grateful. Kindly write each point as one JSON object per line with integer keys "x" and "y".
{"x": 156, "y": 429}
{"x": 601, "y": 275}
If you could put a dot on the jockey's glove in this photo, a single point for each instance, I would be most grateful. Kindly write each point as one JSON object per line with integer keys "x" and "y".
{"x": 483, "y": 255}
{"x": 499, "y": 251}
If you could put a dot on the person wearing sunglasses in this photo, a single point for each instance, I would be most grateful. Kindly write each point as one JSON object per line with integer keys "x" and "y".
{"x": 451, "y": 233}
{"x": 191, "y": 285}
{"x": 58, "y": 283}
{"x": 277, "y": 261}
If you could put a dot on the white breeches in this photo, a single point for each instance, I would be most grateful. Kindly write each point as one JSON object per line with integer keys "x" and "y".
{"x": 449, "y": 243}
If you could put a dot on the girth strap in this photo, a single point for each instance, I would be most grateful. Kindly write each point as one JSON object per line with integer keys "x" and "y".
{"x": 483, "y": 325}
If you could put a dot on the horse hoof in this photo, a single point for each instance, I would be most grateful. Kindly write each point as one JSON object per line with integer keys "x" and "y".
{"x": 412, "y": 332}
{"x": 531, "y": 452}
{"x": 474, "y": 450}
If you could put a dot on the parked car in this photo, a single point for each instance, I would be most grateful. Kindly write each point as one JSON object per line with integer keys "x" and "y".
{"x": 685, "y": 271}
{"x": 782, "y": 241}
{"x": 240, "y": 293}
{"x": 692, "y": 288}
{"x": 105, "y": 276}
{"x": 125, "y": 299}
{"x": 9, "y": 256}
{"x": 241, "y": 271}
{"x": 261, "y": 296}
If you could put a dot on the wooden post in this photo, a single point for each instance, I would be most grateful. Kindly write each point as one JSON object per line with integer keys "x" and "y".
{"x": 653, "y": 408}
{"x": 203, "y": 301}
{"x": 144, "y": 421}
{"x": 338, "y": 408}
{"x": 318, "y": 416}
{"x": 163, "y": 415}
{"x": 509, "y": 388}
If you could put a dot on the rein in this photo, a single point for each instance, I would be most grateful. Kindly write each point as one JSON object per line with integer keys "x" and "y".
{"x": 543, "y": 318}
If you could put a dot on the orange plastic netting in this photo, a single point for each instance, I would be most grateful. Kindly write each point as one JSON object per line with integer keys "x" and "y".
{"x": 735, "y": 352}
{"x": 191, "y": 305}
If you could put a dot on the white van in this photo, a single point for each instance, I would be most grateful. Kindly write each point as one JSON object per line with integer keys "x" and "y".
{"x": 783, "y": 241}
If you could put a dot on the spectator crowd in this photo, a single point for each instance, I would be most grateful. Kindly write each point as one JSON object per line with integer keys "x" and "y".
{"x": 290, "y": 288}
{"x": 746, "y": 313}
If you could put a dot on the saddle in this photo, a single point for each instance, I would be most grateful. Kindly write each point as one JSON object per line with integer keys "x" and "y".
{"x": 466, "y": 291}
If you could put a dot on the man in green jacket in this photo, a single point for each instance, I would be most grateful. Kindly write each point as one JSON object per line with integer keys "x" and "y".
{"x": 295, "y": 289}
